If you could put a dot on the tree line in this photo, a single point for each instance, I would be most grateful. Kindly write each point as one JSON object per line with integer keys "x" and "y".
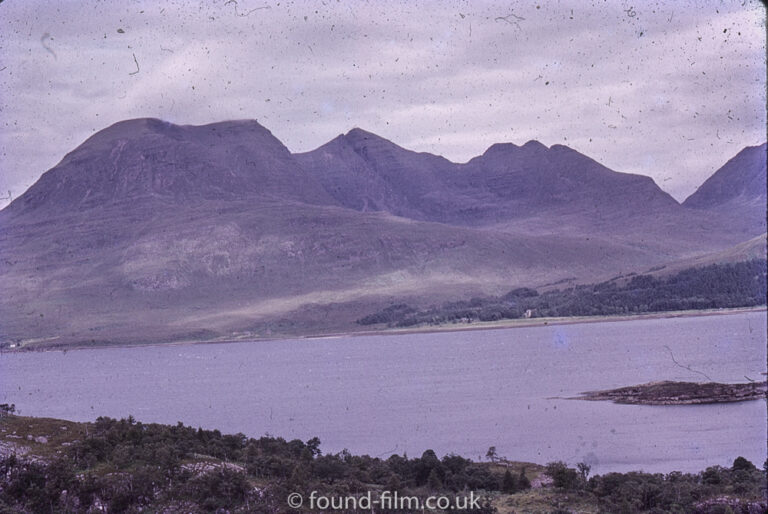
{"x": 716, "y": 286}
{"x": 128, "y": 466}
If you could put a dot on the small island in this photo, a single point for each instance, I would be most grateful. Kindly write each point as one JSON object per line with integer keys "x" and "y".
{"x": 680, "y": 393}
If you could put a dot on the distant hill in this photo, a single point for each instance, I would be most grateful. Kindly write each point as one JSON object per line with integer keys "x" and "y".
{"x": 153, "y": 159}
{"x": 363, "y": 171}
{"x": 751, "y": 249}
{"x": 737, "y": 189}
{"x": 150, "y": 231}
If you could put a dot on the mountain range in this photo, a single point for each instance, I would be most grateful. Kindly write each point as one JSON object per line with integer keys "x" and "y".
{"x": 155, "y": 232}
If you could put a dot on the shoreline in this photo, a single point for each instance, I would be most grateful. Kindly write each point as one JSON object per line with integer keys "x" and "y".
{"x": 540, "y": 322}
{"x": 428, "y": 329}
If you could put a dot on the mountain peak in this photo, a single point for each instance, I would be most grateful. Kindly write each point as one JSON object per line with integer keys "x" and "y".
{"x": 139, "y": 127}
{"x": 148, "y": 157}
{"x": 531, "y": 146}
{"x": 130, "y": 128}
{"x": 741, "y": 179}
{"x": 362, "y": 141}
{"x": 358, "y": 132}
{"x": 501, "y": 147}
{"x": 358, "y": 135}
{"x": 535, "y": 145}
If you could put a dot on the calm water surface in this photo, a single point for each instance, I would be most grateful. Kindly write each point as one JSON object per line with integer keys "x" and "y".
{"x": 457, "y": 392}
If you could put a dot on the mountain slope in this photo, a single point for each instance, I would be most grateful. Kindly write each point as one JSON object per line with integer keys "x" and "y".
{"x": 366, "y": 172}
{"x": 527, "y": 189}
{"x": 743, "y": 178}
{"x": 150, "y": 231}
{"x": 208, "y": 270}
{"x": 533, "y": 179}
{"x": 150, "y": 158}
{"x": 751, "y": 249}
{"x": 737, "y": 190}
{"x": 363, "y": 171}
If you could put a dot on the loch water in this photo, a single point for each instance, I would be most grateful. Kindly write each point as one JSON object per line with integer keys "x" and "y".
{"x": 453, "y": 392}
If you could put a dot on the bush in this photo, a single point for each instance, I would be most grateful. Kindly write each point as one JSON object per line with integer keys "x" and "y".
{"x": 562, "y": 476}
{"x": 742, "y": 464}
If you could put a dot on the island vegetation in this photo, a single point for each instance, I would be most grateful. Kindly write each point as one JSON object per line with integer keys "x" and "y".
{"x": 114, "y": 466}
{"x": 716, "y": 286}
{"x": 680, "y": 393}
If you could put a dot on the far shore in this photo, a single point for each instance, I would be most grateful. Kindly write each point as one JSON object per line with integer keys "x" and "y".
{"x": 425, "y": 329}
{"x": 540, "y": 322}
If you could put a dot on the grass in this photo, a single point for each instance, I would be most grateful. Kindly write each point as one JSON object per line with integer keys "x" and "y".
{"x": 22, "y": 430}
{"x": 544, "y": 501}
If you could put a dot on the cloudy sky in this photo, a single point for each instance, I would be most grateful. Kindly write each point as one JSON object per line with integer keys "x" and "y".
{"x": 668, "y": 89}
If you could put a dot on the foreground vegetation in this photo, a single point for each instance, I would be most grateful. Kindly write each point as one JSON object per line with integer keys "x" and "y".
{"x": 716, "y": 286}
{"x": 49, "y": 466}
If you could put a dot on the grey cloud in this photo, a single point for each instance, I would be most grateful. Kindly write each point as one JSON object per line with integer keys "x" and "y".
{"x": 639, "y": 93}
